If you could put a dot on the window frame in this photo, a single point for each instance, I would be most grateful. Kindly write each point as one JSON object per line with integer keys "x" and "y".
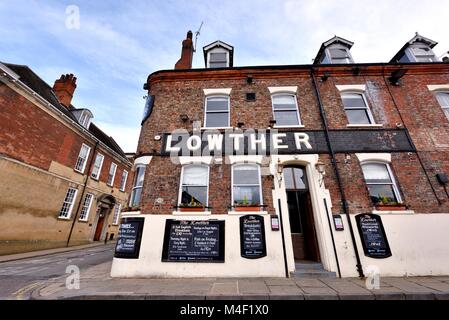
{"x": 329, "y": 56}
{"x": 124, "y": 181}
{"x": 298, "y": 114}
{"x": 260, "y": 180}
{"x": 111, "y": 184}
{"x": 97, "y": 177}
{"x": 134, "y": 187}
{"x": 393, "y": 183}
{"x": 86, "y": 218}
{"x": 416, "y": 56}
{"x": 206, "y": 112}
{"x": 209, "y": 55}
{"x": 72, "y": 204}
{"x": 117, "y": 212}
{"x": 367, "y": 108}
{"x": 443, "y": 108}
{"x": 85, "y": 160}
{"x": 181, "y": 181}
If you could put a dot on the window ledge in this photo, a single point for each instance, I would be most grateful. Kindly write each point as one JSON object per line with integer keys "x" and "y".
{"x": 216, "y": 128}
{"x": 392, "y": 212}
{"x": 131, "y": 213}
{"x": 64, "y": 218}
{"x": 242, "y": 213}
{"x": 83, "y": 221}
{"x": 79, "y": 171}
{"x": 286, "y": 127}
{"x": 364, "y": 125}
{"x": 191, "y": 213}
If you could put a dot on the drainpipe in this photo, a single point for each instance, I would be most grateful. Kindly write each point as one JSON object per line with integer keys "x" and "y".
{"x": 337, "y": 173}
{"x": 82, "y": 194}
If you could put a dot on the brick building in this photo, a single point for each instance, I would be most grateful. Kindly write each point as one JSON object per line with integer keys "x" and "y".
{"x": 350, "y": 159}
{"x": 64, "y": 181}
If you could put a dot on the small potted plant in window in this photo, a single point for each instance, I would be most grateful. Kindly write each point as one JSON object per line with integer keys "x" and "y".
{"x": 388, "y": 204}
{"x": 245, "y": 205}
{"x": 131, "y": 209}
{"x": 192, "y": 206}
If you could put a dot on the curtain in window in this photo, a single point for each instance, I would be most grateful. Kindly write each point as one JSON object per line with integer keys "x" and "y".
{"x": 380, "y": 183}
{"x": 246, "y": 188}
{"x": 194, "y": 186}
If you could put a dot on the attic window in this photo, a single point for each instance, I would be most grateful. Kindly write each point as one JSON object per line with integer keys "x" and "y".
{"x": 423, "y": 54}
{"x": 339, "y": 56}
{"x": 218, "y": 60}
{"x": 85, "y": 119}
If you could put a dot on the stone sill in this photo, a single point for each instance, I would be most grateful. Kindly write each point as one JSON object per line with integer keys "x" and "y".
{"x": 127, "y": 213}
{"x": 191, "y": 213}
{"x": 364, "y": 125}
{"x": 393, "y": 212}
{"x": 244, "y": 213}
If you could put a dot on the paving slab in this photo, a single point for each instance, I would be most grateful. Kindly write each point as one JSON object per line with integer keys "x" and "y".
{"x": 224, "y": 288}
{"x": 253, "y": 287}
{"x": 315, "y": 283}
{"x": 285, "y": 290}
{"x": 280, "y": 282}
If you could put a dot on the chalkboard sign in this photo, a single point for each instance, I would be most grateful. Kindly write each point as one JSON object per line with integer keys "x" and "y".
{"x": 374, "y": 239}
{"x": 129, "y": 237}
{"x": 252, "y": 237}
{"x": 194, "y": 241}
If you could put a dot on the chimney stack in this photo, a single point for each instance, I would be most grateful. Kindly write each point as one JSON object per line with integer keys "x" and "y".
{"x": 187, "y": 53}
{"x": 64, "y": 88}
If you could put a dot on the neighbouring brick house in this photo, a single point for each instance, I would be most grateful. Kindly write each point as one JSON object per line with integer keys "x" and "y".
{"x": 326, "y": 150}
{"x": 63, "y": 180}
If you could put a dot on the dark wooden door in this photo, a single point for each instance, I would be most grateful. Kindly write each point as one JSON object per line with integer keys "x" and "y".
{"x": 312, "y": 251}
{"x": 100, "y": 225}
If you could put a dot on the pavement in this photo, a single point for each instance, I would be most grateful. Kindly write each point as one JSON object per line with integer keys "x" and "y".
{"x": 96, "y": 284}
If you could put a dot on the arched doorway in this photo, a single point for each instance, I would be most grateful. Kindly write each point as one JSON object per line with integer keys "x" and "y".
{"x": 302, "y": 224}
{"x": 105, "y": 203}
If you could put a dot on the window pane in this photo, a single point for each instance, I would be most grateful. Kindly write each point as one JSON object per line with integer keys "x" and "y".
{"x": 284, "y": 102}
{"x": 246, "y": 195}
{"x": 353, "y": 100}
{"x": 288, "y": 177}
{"x": 376, "y": 173}
{"x": 218, "y": 56}
{"x": 135, "y": 200}
{"x": 217, "y": 104}
{"x": 140, "y": 175}
{"x": 246, "y": 174}
{"x": 443, "y": 99}
{"x": 300, "y": 179}
{"x": 196, "y": 176}
{"x": 286, "y": 118}
{"x": 218, "y": 64}
{"x": 338, "y": 53}
{"x": 446, "y": 112}
{"x": 382, "y": 192}
{"x": 194, "y": 195}
{"x": 357, "y": 116}
{"x": 217, "y": 119}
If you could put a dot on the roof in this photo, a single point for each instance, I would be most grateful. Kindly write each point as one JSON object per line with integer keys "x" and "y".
{"x": 35, "y": 83}
{"x": 327, "y": 43}
{"x": 416, "y": 38}
{"x": 216, "y": 44}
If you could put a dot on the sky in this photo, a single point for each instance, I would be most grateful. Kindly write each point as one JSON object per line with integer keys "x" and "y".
{"x": 112, "y": 46}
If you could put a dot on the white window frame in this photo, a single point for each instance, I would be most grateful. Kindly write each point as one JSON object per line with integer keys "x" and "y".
{"x": 85, "y": 210}
{"x": 139, "y": 165}
{"x": 111, "y": 183}
{"x": 367, "y": 107}
{"x": 443, "y": 108}
{"x": 328, "y": 54}
{"x": 72, "y": 204}
{"x": 181, "y": 182}
{"x": 209, "y": 54}
{"x": 123, "y": 181}
{"x": 97, "y": 176}
{"x": 392, "y": 178}
{"x": 299, "y": 125}
{"x": 431, "y": 55}
{"x": 205, "y": 110}
{"x": 117, "y": 211}
{"x": 85, "y": 160}
{"x": 259, "y": 175}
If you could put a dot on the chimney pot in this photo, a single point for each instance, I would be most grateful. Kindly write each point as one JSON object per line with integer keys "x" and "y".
{"x": 64, "y": 88}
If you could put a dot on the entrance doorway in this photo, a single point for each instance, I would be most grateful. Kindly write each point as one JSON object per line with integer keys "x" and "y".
{"x": 302, "y": 225}
{"x": 100, "y": 224}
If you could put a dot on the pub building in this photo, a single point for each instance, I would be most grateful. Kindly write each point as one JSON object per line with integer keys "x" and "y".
{"x": 334, "y": 169}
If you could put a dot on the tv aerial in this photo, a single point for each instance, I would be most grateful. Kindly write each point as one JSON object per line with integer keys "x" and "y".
{"x": 197, "y": 33}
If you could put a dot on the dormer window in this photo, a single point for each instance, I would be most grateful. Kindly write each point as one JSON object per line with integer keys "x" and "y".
{"x": 218, "y": 55}
{"x": 418, "y": 49}
{"x": 84, "y": 117}
{"x": 423, "y": 54}
{"x": 335, "y": 51}
{"x": 339, "y": 55}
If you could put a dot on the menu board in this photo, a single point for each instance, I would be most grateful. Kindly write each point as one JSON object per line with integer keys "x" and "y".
{"x": 374, "y": 239}
{"x": 252, "y": 237}
{"x": 194, "y": 241}
{"x": 129, "y": 237}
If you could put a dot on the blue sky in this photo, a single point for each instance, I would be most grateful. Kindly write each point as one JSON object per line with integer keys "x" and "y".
{"x": 119, "y": 43}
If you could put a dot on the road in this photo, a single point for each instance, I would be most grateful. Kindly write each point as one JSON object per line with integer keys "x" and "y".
{"x": 19, "y": 278}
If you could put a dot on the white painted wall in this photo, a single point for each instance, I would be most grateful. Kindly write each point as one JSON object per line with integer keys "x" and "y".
{"x": 149, "y": 263}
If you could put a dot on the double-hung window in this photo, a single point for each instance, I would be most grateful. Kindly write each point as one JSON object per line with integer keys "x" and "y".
{"x": 194, "y": 186}
{"x": 136, "y": 193}
{"x": 218, "y": 60}
{"x": 246, "y": 185}
{"x": 111, "y": 175}
{"x": 356, "y": 108}
{"x": 97, "y": 166}
{"x": 82, "y": 158}
{"x": 443, "y": 100}
{"x": 423, "y": 54}
{"x": 124, "y": 180}
{"x": 84, "y": 215}
{"x": 381, "y": 184}
{"x": 339, "y": 56}
{"x": 68, "y": 203}
{"x": 217, "y": 112}
{"x": 285, "y": 109}
{"x": 116, "y": 217}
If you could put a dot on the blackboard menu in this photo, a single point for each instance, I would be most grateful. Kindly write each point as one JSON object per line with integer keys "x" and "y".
{"x": 129, "y": 237}
{"x": 374, "y": 239}
{"x": 194, "y": 241}
{"x": 252, "y": 237}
